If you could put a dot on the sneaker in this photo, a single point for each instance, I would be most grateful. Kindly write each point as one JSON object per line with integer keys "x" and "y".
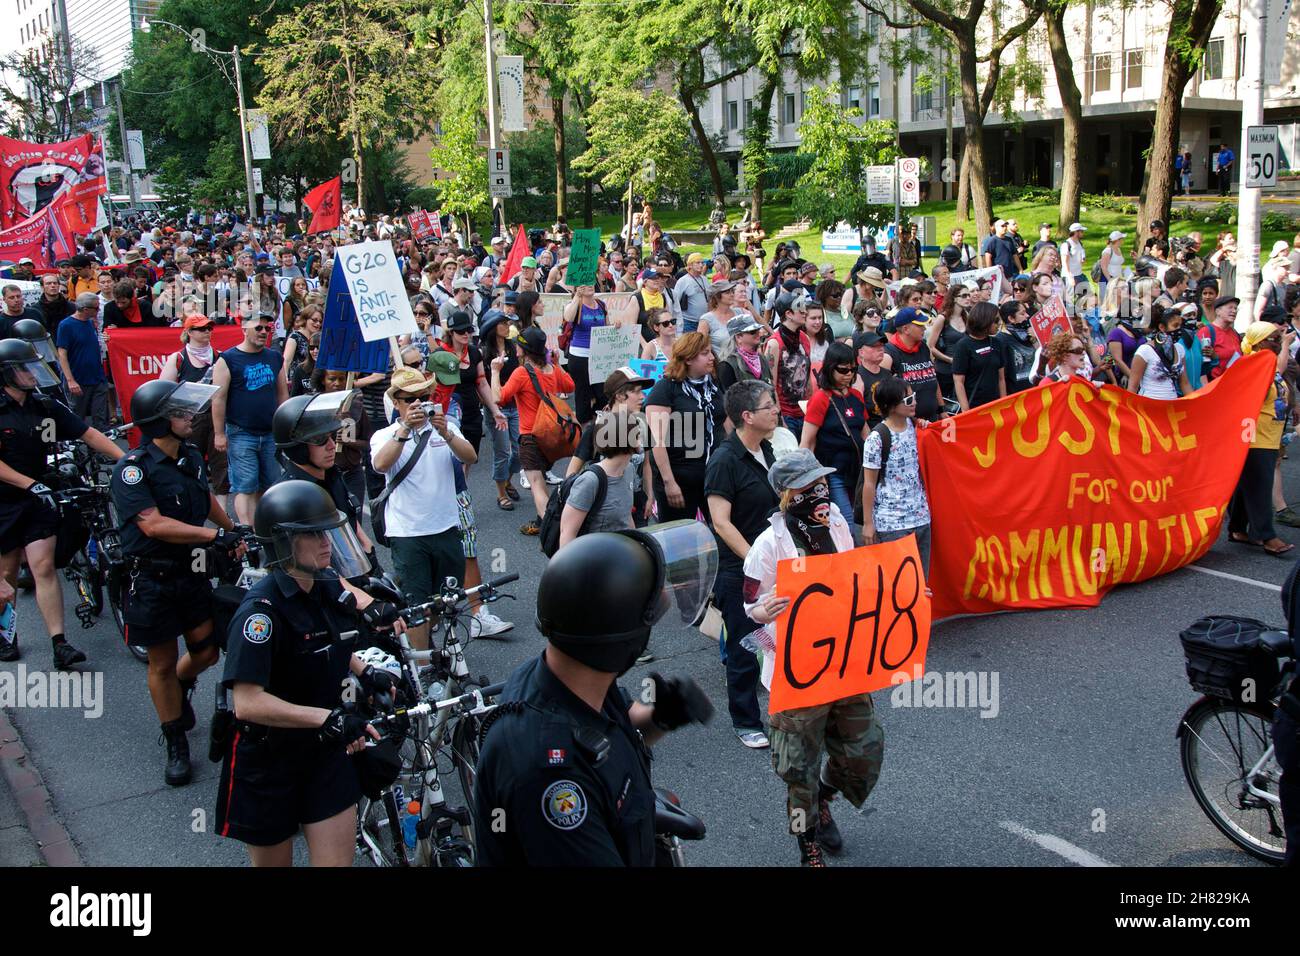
{"x": 828, "y": 834}
{"x": 532, "y": 528}
{"x": 753, "y": 739}
{"x": 9, "y": 652}
{"x": 523, "y": 481}
{"x": 645, "y": 658}
{"x": 810, "y": 851}
{"x": 65, "y": 655}
{"x": 25, "y": 581}
{"x": 1289, "y": 517}
{"x": 489, "y": 624}
{"x": 552, "y": 480}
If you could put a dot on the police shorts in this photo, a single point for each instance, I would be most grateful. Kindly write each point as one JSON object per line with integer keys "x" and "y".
{"x": 268, "y": 791}
{"x": 24, "y": 521}
{"x": 162, "y": 605}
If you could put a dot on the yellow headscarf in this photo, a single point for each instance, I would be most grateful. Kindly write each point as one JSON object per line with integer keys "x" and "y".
{"x": 1256, "y": 332}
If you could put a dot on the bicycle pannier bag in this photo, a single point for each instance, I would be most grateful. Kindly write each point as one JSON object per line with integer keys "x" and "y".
{"x": 1228, "y": 658}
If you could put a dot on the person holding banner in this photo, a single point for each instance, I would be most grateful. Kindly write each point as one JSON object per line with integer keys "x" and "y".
{"x": 808, "y": 522}
{"x": 193, "y": 363}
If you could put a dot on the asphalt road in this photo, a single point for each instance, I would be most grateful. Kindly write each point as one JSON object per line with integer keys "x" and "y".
{"x": 1081, "y": 749}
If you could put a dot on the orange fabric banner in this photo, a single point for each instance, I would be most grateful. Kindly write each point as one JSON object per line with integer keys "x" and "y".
{"x": 1050, "y": 497}
{"x": 855, "y": 620}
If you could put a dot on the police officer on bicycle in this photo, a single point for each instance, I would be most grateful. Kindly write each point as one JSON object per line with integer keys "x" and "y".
{"x": 161, "y": 494}
{"x": 288, "y": 763}
{"x": 564, "y": 774}
{"x": 31, "y": 423}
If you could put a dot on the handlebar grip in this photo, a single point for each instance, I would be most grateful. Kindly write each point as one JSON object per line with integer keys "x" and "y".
{"x": 493, "y": 689}
{"x": 503, "y": 580}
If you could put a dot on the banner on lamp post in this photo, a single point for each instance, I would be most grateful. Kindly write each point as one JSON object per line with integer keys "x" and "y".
{"x": 259, "y": 137}
{"x": 510, "y": 89}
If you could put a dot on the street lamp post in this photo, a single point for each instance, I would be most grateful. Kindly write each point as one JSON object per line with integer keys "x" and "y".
{"x": 238, "y": 82}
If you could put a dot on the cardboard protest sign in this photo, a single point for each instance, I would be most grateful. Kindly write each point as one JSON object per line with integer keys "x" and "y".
{"x": 343, "y": 347}
{"x": 611, "y": 348}
{"x": 1049, "y": 320}
{"x": 285, "y": 285}
{"x": 553, "y": 303}
{"x": 1123, "y": 488}
{"x": 582, "y": 258}
{"x": 652, "y": 369}
{"x": 855, "y": 620}
{"x": 378, "y": 293}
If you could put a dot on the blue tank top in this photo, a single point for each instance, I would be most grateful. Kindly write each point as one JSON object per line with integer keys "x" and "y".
{"x": 251, "y": 402}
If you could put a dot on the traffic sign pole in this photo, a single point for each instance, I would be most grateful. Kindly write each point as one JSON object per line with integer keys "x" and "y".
{"x": 1251, "y": 90}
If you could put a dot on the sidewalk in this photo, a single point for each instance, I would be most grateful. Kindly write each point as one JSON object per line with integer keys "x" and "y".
{"x": 30, "y": 832}
{"x": 17, "y": 847}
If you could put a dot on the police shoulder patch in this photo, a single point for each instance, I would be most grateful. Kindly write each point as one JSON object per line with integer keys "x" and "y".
{"x": 564, "y": 805}
{"x": 257, "y": 629}
{"x": 132, "y": 474}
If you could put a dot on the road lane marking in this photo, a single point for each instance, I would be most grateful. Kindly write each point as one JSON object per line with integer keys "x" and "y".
{"x": 1075, "y": 854}
{"x": 1236, "y": 577}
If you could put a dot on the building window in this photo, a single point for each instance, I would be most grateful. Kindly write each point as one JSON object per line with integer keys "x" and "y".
{"x": 649, "y": 82}
{"x": 749, "y": 112}
{"x": 855, "y": 26}
{"x": 1132, "y": 69}
{"x": 787, "y": 109}
{"x": 873, "y": 101}
{"x": 854, "y": 98}
{"x": 1101, "y": 73}
{"x": 1241, "y": 55}
{"x": 873, "y": 24}
{"x": 733, "y": 114}
{"x": 1213, "y": 68}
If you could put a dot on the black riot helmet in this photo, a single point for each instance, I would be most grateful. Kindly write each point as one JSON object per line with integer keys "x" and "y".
{"x": 602, "y": 593}
{"x": 304, "y": 534}
{"x": 155, "y": 403}
{"x": 29, "y": 330}
{"x": 309, "y": 420}
{"x": 22, "y": 368}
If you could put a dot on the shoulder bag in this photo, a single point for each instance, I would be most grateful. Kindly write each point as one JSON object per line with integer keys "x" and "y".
{"x": 378, "y": 504}
{"x": 555, "y": 429}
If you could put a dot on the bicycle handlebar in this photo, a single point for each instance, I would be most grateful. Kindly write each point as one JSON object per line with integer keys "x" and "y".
{"x": 450, "y": 597}
{"x": 471, "y": 701}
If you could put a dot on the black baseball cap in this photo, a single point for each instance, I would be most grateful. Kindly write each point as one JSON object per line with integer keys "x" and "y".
{"x": 866, "y": 338}
{"x": 1225, "y": 300}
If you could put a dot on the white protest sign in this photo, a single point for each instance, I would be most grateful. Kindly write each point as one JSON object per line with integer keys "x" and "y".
{"x": 378, "y": 293}
{"x": 31, "y": 290}
{"x": 611, "y": 348}
{"x": 552, "y": 317}
{"x": 285, "y": 285}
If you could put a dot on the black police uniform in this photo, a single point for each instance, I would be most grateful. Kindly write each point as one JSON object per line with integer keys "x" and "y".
{"x": 24, "y": 517}
{"x": 332, "y": 482}
{"x": 167, "y": 595}
{"x": 574, "y": 784}
{"x": 274, "y": 780}
{"x": 1286, "y": 727}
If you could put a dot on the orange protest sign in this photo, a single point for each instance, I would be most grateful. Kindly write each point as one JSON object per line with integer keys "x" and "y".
{"x": 1049, "y": 320}
{"x": 854, "y": 620}
{"x": 1050, "y": 497}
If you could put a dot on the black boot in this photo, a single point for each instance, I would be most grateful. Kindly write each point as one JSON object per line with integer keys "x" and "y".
{"x": 810, "y": 851}
{"x": 188, "y": 719}
{"x": 178, "y": 769}
{"x": 828, "y": 834}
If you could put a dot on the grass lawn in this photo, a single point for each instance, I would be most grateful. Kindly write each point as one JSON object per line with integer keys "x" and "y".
{"x": 1100, "y": 223}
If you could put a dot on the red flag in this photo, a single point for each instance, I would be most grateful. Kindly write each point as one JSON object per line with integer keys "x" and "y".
{"x": 326, "y": 205}
{"x": 517, "y": 253}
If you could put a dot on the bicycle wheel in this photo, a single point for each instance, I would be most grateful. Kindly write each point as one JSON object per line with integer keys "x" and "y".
{"x": 114, "y": 586}
{"x": 1220, "y": 743}
{"x": 379, "y": 834}
{"x": 464, "y": 754}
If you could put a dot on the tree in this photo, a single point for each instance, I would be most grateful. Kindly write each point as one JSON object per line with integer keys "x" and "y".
{"x": 1190, "y": 22}
{"x": 41, "y": 105}
{"x": 833, "y": 190}
{"x": 465, "y": 192}
{"x": 223, "y": 186}
{"x": 627, "y": 130}
{"x": 173, "y": 184}
{"x": 346, "y": 68}
{"x": 1053, "y": 12}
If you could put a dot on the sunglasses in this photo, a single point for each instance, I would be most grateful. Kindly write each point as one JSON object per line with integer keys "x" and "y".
{"x": 844, "y": 369}
{"x": 910, "y": 400}
{"x": 670, "y": 324}
{"x": 325, "y": 439}
{"x": 427, "y": 315}
{"x": 201, "y": 328}
{"x": 1076, "y": 352}
{"x": 259, "y": 328}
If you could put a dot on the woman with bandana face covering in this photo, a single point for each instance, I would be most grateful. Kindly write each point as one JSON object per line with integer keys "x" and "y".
{"x": 809, "y": 523}
{"x": 1159, "y": 368}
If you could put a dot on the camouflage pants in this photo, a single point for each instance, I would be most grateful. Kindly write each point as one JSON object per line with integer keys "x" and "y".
{"x": 854, "y": 742}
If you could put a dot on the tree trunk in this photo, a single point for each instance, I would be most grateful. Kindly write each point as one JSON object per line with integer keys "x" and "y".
{"x": 1189, "y": 30}
{"x": 757, "y": 135}
{"x": 361, "y": 172}
{"x": 702, "y": 137}
{"x": 973, "y": 152}
{"x": 1072, "y": 114}
{"x": 561, "y": 161}
{"x": 963, "y": 188}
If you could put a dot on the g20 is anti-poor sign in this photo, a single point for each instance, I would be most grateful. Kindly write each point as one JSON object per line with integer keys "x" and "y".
{"x": 378, "y": 293}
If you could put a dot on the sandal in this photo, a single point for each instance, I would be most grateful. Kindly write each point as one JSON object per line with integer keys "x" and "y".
{"x": 1236, "y": 537}
{"x": 532, "y": 528}
{"x": 505, "y": 504}
{"x": 513, "y": 492}
{"x": 1278, "y": 552}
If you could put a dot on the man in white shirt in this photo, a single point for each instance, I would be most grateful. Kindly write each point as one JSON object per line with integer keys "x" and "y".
{"x": 421, "y": 516}
{"x": 1073, "y": 258}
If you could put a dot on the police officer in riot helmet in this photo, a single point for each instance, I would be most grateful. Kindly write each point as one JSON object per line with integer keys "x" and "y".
{"x": 30, "y": 425}
{"x": 30, "y": 330}
{"x": 564, "y": 774}
{"x": 161, "y": 493}
{"x": 288, "y": 762}
{"x": 307, "y": 429}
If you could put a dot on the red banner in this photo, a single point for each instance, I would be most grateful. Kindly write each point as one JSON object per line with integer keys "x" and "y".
{"x": 326, "y": 205}
{"x": 33, "y": 175}
{"x": 38, "y": 238}
{"x": 136, "y": 356}
{"x": 1050, "y": 497}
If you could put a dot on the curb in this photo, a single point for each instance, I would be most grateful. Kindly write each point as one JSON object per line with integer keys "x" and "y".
{"x": 57, "y": 848}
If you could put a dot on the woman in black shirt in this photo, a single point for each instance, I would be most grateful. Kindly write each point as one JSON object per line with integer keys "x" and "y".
{"x": 685, "y": 413}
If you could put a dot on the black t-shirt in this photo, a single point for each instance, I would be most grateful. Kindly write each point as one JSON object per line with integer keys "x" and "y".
{"x": 839, "y": 436}
{"x": 147, "y": 477}
{"x": 467, "y": 390}
{"x": 1017, "y": 357}
{"x": 917, "y": 370}
{"x": 690, "y": 437}
{"x": 735, "y": 474}
{"x": 22, "y": 445}
{"x": 866, "y": 379}
{"x": 979, "y": 360}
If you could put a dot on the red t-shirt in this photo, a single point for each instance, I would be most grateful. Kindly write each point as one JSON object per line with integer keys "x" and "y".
{"x": 1227, "y": 343}
{"x": 519, "y": 389}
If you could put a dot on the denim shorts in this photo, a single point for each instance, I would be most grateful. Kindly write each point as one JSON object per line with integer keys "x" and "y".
{"x": 252, "y": 463}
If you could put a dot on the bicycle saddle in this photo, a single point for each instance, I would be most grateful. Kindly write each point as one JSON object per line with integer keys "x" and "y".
{"x": 672, "y": 820}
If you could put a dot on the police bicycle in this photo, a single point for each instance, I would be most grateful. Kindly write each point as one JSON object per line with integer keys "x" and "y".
{"x": 1241, "y": 669}
{"x": 450, "y": 714}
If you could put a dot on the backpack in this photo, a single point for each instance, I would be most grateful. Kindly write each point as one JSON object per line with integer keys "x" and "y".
{"x": 886, "y": 439}
{"x": 549, "y": 535}
{"x": 555, "y": 429}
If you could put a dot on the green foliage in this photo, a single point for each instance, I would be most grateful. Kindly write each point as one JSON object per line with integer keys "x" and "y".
{"x": 785, "y": 169}
{"x": 1278, "y": 222}
{"x": 834, "y": 189}
{"x": 173, "y": 184}
{"x": 626, "y": 129}
{"x": 457, "y": 152}
{"x": 1108, "y": 201}
{"x": 40, "y": 105}
{"x": 224, "y": 184}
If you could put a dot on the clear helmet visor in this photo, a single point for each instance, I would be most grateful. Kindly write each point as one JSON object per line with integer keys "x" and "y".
{"x": 45, "y": 349}
{"x": 189, "y": 399}
{"x": 324, "y": 415}
{"x": 319, "y": 553}
{"x": 689, "y": 554}
{"x": 30, "y": 375}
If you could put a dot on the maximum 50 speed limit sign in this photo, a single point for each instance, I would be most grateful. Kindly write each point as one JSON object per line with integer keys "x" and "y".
{"x": 1261, "y": 157}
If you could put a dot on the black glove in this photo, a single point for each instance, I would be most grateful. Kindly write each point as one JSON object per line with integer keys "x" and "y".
{"x": 226, "y": 541}
{"x": 375, "y": 681}
{"x": 341, "y": 727}
{"x": 379, "y": 615}
{"x": 45, "y": 493}
{"x": 678, "y": 701}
